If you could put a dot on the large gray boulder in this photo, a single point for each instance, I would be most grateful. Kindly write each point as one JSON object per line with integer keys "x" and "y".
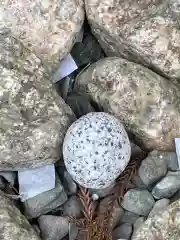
{"x": 13, "y": 225}
{"x": 145, "y": 102}
{"x": 33, "y": 118}
{"x": 48, "y": 28}
{"x": 143, "y": 31}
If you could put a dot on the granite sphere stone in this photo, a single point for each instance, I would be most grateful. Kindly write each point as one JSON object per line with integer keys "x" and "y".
{"x": 96, "y": 150}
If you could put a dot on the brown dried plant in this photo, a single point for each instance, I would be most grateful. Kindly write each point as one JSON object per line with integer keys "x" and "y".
{"x": 97, "y": 226}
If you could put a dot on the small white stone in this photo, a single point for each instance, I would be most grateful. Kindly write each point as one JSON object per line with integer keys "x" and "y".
{"x": 96, "y": 150}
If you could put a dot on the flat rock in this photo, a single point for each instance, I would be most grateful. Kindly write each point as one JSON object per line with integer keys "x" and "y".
{"x": 46, "y": 201}
{"x": 46, "y": 28}
{"x": 144, "y": 101}
{"x": 168, "y": 186}
{"x": 34, "y": 119}
{"x": 72, "y": 207}
{"x": 164, "y": 225}
{"x": 123, "y": 231}
{"x": 146, "y": 32}
{"x": 138, "y": 201}
{"x": 152, "y": 169}
{"x": 160, "y": 206}
{"x": 53, "y": 227}
{"x": 13, "y": 225}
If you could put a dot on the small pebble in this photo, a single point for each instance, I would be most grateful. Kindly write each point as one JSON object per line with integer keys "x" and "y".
{"x": 152, "y": 169}
{"x": 53, "y": 227}
{"x": 160, "y": 206}
{"x": 72, "y": 207}
{"x": 138, "y": 201}
{"x": 123, "y": 231}
{"x": 168, "y": 186}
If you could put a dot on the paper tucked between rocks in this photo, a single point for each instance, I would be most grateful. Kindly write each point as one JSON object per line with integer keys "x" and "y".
{"x": 35, "y": 181}
{"x": 67, "y": 66}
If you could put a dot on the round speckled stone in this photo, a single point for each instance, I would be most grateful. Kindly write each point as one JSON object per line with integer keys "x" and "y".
{"x": 96, "y": 150}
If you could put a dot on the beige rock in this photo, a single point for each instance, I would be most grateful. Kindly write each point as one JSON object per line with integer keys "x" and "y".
{"x": 145, "y": 102}
{"x": 33, "y": 118}
{"x": 13, "y": 225}
{"x": 48, "y": 28}
{"x": 143, "y": 31}
{"x": 164, "y": 225}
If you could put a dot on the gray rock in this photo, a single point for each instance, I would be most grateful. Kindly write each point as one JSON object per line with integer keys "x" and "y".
{"x": 138, "y": 183}
{"x": 164, "y": 225}
{"x": 135, "y": 150}
{"x": 73, "y": 232}
{"x": 13, "y": 225}
{"x": 167, "y": 186}
{"x": 96, "y": 150}
{"x": 142, "y": 31}
{"x": 87, "y": 51}
{"x": 72, "y": 207}
{"x": 129, "y": 217}
{"x": 138, "y": 201}
{"x": 50, "y": 32}
{"x": 117, "y": 213}
{"x": 69, "y": 184}
{"x": 53, "y": 227}
{"x": 152, "y": 169}
{"x": 102, "y": 192}
{"x": 45, "y": 202}
{"x": 2, "y": 183}
{"x": 33, "y": 117}
{"x": 145, "y": 102}
{"x": 9, "y": 176}
{"x": 123, "y": 231}
{"x": 160, "y": 206}
{"x": 138, "y": 224}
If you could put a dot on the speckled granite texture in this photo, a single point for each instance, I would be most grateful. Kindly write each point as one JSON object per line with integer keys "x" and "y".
{"x": 33, "y": 118}
{"x": 13, "y": 225}
{"x": 46, "y": 27}
{"x": 163, "y": 225}
{"x": 96, "y": 150}
{"x": 145, "y": 31}
{"x": 146, "y": 103}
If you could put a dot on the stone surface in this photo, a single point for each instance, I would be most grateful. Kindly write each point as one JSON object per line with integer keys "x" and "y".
{"x": 69, "y": 184}
{"x": 138, "y": 224}
{"x": 102, "y": 192}
{"x": 33, "y": 117}
{"x": 9, "y": 176}
{"x": 72, "y": 207}
{"x": 53, "y": 227}
{"x": 163, "y": 225}
{"x": 152, "y": 169}
{"x": 138, "y": 183}
{"x": 13, "y": 225}
{"x": 123, "y": 231}
{"x": 45, "y": 202}
{"x": 138, "y": 201}
{"x": 145, "y": 102}
{"x": 129, "y": 217}
{"x": 96, "y": 150}
{"x": 145, "y": 31}
{"x": 160, "y": 206}
{"x": 168, "y": 186}
{"x": 46, "y": 28}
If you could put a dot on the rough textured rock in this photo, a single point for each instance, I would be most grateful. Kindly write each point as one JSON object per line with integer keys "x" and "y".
{"x": 96, "y": 149}
{"x": 53, "y": 227}
{"x": 123, "y": 231}
{"x": 137, "y": 224}
{"x": 46, "y": 201}
{"x": 138, "y": 201}
{"x": 145, "y": 31}
{"x": 163, "y": 225}
{"x": 129, "y": 217}
{"x": 72, "y": 207}
{"x": 160, "y": 206}
{"x": 145, "y": 102}
{"x": 33, "y": 117}
{"x": 47, "y": 28}
{"x": 152, "y": 169}
{"x": 168, "y": 186}
{"x": 13, "y": 225}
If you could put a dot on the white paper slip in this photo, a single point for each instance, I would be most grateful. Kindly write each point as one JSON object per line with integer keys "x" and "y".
{"x": 177, "y": 144}
{"x": 35, "y": 181}
{"x": 67, "y": 66}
